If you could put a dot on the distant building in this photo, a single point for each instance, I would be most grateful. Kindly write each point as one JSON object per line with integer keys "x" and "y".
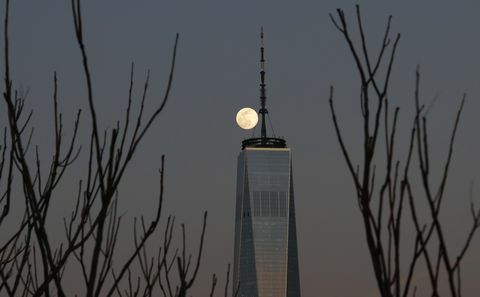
{"x": 265, "y": 256}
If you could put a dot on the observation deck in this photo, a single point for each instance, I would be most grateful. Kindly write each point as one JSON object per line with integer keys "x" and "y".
{"x": 267, "y": 142}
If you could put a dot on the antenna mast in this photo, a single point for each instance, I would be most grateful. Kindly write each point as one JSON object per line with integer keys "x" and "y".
{"x": 263, "y": 95}
{"x": 263, "y": 140}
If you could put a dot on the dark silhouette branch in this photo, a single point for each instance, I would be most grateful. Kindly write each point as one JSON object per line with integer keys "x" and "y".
{"x": 382, "y": 207}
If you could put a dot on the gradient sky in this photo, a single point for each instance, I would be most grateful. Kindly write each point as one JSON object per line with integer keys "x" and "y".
{"x": 217, "y": 74}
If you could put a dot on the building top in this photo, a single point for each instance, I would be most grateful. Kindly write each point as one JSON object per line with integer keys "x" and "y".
{"x": 270, "y": 149}
{"x": 263, "y": 140}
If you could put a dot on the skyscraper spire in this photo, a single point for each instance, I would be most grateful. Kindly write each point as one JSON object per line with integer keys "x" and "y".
{"x": 264, "y": 140}
{"x": 263, "y": 96}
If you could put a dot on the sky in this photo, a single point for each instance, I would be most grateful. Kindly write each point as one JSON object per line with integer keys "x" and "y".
{"x": 217, "y": 73}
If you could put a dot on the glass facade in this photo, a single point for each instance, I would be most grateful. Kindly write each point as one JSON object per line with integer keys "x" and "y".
{"x": 265, "y": 256}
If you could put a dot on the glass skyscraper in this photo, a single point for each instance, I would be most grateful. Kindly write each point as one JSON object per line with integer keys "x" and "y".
{"x": 265, "y": 253}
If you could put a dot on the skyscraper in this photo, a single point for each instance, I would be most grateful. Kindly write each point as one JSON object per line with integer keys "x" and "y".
{"x": 265, "y": 254}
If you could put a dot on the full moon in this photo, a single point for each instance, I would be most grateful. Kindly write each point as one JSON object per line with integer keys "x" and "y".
{"x": 247, "y": 118}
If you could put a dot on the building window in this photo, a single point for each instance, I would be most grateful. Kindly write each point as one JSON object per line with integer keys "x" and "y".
{"x": 282, "y": 201}
{"x": 269, "y": 204}
{"x": 256, "y": 203}
{"x": 274, "y": 209}
{"x": 265, "y": 204}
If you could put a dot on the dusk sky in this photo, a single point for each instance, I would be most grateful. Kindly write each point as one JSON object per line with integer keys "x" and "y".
{"x": 217, "y": 73}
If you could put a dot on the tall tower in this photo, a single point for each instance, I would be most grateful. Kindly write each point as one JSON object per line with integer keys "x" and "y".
{"x": 265, "y": 254}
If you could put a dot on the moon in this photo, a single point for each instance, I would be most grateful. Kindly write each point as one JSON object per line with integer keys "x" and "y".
{"x": 247, "y": 118}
